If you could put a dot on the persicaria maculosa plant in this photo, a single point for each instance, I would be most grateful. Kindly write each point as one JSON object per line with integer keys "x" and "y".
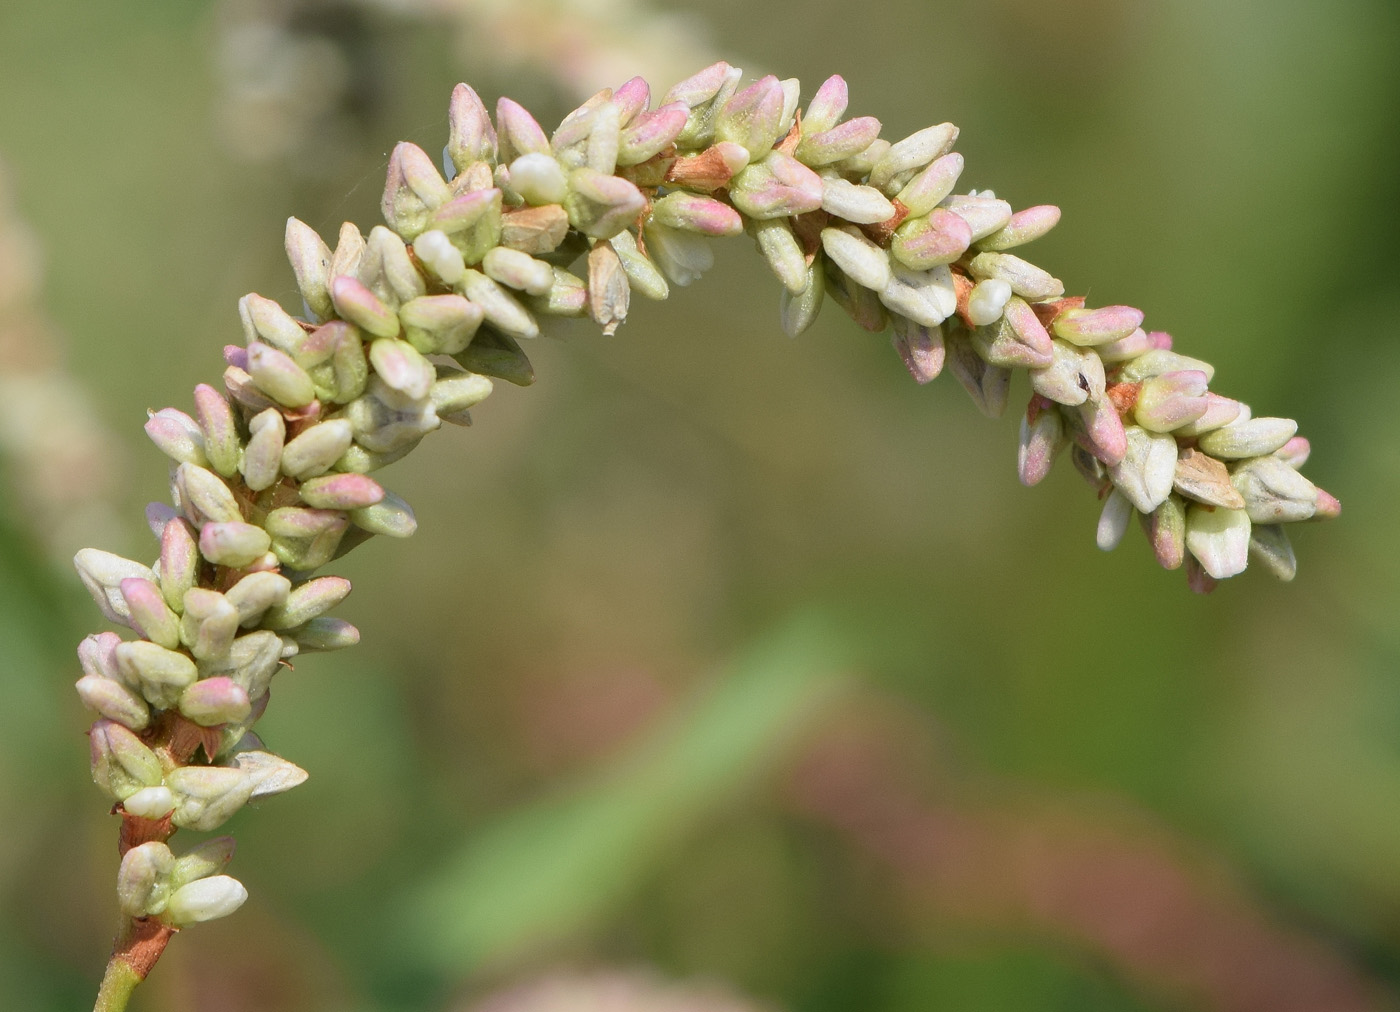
{"x": 271, "y": 476}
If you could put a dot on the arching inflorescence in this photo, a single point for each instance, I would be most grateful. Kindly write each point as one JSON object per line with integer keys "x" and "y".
{"x": 271, "y": 476}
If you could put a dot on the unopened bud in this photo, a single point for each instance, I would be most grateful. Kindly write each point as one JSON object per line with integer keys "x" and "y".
{"x": 1099, "y": 430}
{"x": 1201, "y": 477}
{"x": 471, "y": 138}
{"x": 1042, "y": 438}
{"x": 213, "y": 701}
{"x": 608, "y": 289}
{"x": 860, "y": 259}
{"x": 440, "y": 324}
{"x": 518, "y": 270}
{"x": 205, "y": 900}
{"x": 235, "y": 544}
{"x": 1026, "y": 279}
{"x": 682, "y": 256}
{"x": 1073, "y": 376}
{"x": 863, "y": 205}
{"x": 1148, "y": 467}
{"x": 208, "y": 624}
{"x": 1270, "y": 547}
{"x": 1254, "y": 438}
{"x": 650, "y": 133}
{"x": 752, "y": 117}
{"x": 277, "y": 375}
{"x": 1274, "y": 493}
{"x": 102, "y": 574}
{"x": 359, "y": 305}
{"x": 113, "y": 700}
{"x": 827, "y": 106}
{"x": 143, "y": 881}
{"x": 326, "y": 633}
{"x": 919, "y": 347}
{"x": 986, "y": 384}
{"x": 256, "y": 593}
{"x": 1220, "y": 411}
{"x": 517, "y": 131}
{"x": 391, "y": 516}
{"x": 310, "y": 258}
{"x": 1165, "y": 528}
{"x": 499, "y": 307}
{"x": 251, "y": 662}
{"x": 412, "y": 190}
{"x": 925, "y": 297}
{"x": 932, "y": 186}
{"x": 150, "y": 802}
{"x": 539, "y": 179}
{"x": 177, "y": 435}
{"x": 600, "y": 205}
{"x": 207, "y": 796}
{"x": 940, "y": 237}
{"x": 178, "y": 563}
{"x": 643, "y": 276}
{"x": 150, "y": 615}
{"x": 1113, "y": 520}
{"x": 837, "y": 144}
{"x": 316, "y": 449}
{"x": 1093, "y": 327}
{"x": 911, "y": 154}
{"x": 1218, "y": 539}
{"x": 1171, "y": 400}
{"x": 695, "y": 213}
{"x": 778, "y": 186}
{"x": 1024, "y": 226}
{"x": 262, "y": 457}
{"x": 121, "y": 763}
{"x": 984, "y": 215}
{"x": 1159, "y": 361}
{"x": 203, "y": 860}
{"x": 798, "y": 311}
{"x": 1295, "y": 452}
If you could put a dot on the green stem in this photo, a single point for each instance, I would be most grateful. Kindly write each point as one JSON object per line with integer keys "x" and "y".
{"x": 138, "y": 946}
{"x": 118, "y": 982}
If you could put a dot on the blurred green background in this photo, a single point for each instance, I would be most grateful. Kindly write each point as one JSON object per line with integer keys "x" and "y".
{"x": 730, "y": 656}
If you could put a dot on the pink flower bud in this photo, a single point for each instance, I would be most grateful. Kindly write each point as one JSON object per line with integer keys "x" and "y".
{"x": 517, "y": 131}
{"x": 694, "y": 213}
{"x": 234, "y": 544}
{"x": 341, "y": 491}
{"x": 360, "y": 306}
{"x": 471, "y": 137}
{"x": 278, "y": 376}
{"x": 837, "y": 144}
{"x": 753, "y": 116}
{"x": 827, "y": 106}
{"x": 920, "y": 348}
{"x": 214, "y": 701}
{"x": 1042, "y": 438}
{"x": 1171, "y": 400}
{"x": 1092, "y": 327}
{"x": 984, "y": 215}
{"x": 220, "y": 430}
{"x": 150, "y": 616}
{"x": 177, "y": 435}
{"x": 938, "y": 238}
{"x": 778, "y": 186}
{"x": 310, "y": 258}
{"x": 650, "y": 133}
{"x": 1023, "y": 227}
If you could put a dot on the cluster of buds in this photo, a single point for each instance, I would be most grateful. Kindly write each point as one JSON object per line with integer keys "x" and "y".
{"x": 405, "y": 328}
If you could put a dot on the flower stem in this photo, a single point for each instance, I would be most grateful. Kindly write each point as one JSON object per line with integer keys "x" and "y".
{"x": 117, "y": 984}
{"x": 138, "y": 946}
